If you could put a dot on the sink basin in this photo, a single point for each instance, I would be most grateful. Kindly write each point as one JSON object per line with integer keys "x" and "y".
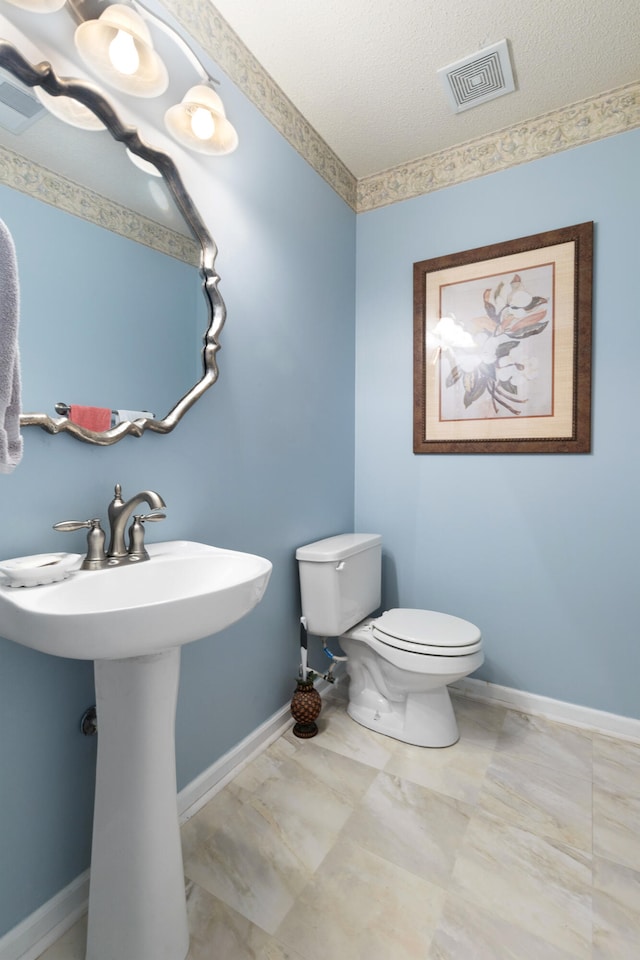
{"x": 132, "y": 621}
{"x": 184, "y": 592}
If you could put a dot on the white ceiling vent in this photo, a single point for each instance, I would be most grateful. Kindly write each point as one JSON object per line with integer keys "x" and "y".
{"x": 483, "y": 76}
{"x": 19, "y": 108}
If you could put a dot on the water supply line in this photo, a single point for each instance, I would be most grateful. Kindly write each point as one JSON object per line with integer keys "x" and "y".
{"x": 306, "y": 672}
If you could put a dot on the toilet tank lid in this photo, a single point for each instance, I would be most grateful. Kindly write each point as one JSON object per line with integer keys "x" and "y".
{"x": 338, "y": 548}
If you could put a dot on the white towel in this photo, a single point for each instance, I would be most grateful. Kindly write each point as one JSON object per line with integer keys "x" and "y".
{"x": 10, "y": 439}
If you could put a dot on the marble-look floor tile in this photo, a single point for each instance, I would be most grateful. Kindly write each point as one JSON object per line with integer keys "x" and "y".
{"x": 219, "y": 933}
{"x": 616, "y": 766}
{"x": 339, "y": 733}
{"x": 529, "y": 881}
{"x": 540, "y": 799}
{"x": 413, "y": 827}
{"x": 616, "y": 827}
{"x": 467, "y": 932}
{"x": 479, "y": 723}
{"x": 549, "y": 744}
{"x": 457, "y": 771}
{"x": 616, "y": 911}
{"x": 216, "y": 932}
{"x": 266, "y": 765}
{"x": 197, "y": 830}
{"x": 356, "y": 846}
{"x": 361, "y": 907}
{"x": 245, "y": 863}
{"x": 257, "y": 855}
{"x": 284, "y": 760}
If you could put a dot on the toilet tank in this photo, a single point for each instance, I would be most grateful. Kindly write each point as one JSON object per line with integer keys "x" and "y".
{"x": 340, "y": 581}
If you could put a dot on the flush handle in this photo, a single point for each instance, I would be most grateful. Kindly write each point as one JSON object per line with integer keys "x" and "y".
{"x": 340, "y": 566}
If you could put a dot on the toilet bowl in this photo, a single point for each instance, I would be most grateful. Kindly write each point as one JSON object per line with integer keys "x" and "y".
{"x": 399, "y": 663}
{"x": 399, "y": 666}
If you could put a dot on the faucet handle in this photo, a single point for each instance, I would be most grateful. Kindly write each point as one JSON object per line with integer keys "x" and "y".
{"x": 95, "y": 539}
{"x": 137, "y": 549}
{"x": 152, "y": 515}
{"x": 68, "y": 526}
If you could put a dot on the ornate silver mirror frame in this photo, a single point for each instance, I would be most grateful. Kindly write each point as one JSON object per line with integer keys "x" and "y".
{"x": 43, "y": 75}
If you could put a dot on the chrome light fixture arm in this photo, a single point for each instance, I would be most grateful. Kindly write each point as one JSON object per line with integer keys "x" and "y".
{"x": 180, "y": 42}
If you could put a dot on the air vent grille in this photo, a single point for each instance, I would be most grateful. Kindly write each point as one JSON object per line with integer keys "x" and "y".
{"x": 18, "y": 106}
{"x": 478, "y": 78}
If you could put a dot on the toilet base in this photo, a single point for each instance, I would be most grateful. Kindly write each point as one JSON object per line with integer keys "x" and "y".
{"x": 424, "y": 719}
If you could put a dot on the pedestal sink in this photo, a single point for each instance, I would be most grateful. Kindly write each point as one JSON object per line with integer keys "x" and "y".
{"x": 132, "y": 620}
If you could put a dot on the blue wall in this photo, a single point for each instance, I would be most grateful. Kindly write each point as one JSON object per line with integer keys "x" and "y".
{"x": 263, "y": 462}
{"x": 539, "y": 550}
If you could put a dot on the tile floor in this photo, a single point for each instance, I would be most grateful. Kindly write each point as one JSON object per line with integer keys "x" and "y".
{"x": 521, "y": 842}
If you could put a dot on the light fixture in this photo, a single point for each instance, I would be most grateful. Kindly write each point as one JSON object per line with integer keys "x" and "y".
{"x": 115, "y": 42}
{"x": 119, "y": 49}
{"x": 200, "y": 123}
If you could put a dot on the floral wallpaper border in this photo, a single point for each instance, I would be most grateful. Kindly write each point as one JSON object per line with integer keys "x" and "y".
{"x": 584, "y": 122}
{"x": 29, "y": 177}
{"x": 571, "y": 126}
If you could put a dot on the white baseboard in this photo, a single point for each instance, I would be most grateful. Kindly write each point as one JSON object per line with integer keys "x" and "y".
{"x": 50, "y": 921}
{"x": 586, "y": 718}
{"x": 47, "y": 924}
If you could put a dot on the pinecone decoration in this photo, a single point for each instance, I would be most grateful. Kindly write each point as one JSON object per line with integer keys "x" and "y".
{"x": 306, "y": 705}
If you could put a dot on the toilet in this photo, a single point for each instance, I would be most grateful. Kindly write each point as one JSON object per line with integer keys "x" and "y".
{"x": 399, "y": 663}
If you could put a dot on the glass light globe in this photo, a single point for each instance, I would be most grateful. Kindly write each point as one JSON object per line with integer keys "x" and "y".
{"x": 118, "y": 48}
{"x": 199, "y": 122}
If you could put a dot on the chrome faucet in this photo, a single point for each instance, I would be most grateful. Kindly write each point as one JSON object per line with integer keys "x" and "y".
{"x": 119, "y": 514}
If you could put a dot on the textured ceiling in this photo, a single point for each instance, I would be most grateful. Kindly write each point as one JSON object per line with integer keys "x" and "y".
{"x": 364, "y": 72}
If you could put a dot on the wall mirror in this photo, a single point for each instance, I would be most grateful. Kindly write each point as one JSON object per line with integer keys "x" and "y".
{"x": 132, "y": 323}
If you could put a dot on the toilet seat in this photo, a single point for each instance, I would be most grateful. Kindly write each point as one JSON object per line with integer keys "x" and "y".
{"x": 427, "y": 632}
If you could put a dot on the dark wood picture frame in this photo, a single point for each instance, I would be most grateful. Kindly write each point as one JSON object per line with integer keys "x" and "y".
{"x": 502, "y": 346}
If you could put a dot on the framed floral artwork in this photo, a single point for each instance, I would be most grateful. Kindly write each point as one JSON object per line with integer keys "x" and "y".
{"x": 502, "y": 347}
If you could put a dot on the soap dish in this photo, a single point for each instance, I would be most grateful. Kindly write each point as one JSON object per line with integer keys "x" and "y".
{"x": 39, "y": 569}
